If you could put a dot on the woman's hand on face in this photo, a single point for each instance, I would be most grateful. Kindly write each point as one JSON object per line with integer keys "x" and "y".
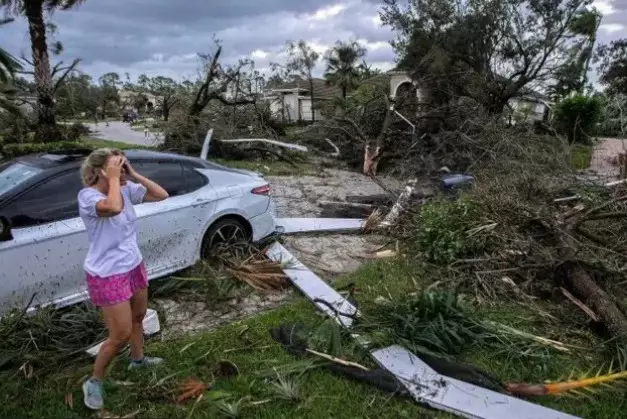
{"x": 129, "y": 169}
{"x": 113, "y": 169}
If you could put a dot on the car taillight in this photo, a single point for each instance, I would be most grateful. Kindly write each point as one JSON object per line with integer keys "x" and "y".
{"x": 261, "y": 190}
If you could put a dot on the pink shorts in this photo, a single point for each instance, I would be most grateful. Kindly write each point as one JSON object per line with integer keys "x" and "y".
{"x": 118, "y": 288}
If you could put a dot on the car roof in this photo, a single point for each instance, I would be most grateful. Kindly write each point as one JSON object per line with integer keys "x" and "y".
{"x": 56, "y": 162}
{"x": 68, "y": 159}
{"x": 74, "y": 157}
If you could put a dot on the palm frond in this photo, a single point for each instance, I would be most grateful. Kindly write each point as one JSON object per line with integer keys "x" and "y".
{"x": 343, "y": 64}
{"x": 7, "y": 102}
{"x": 51, "y": 5}
{"x": 590, "y": 384}
{"x": 8, "y": 66}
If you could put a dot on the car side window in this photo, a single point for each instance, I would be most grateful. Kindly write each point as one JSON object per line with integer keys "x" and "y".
{"x": 194, "y": 179}
{"x": 167, "y": 174}
{"x": 53, "y": 200}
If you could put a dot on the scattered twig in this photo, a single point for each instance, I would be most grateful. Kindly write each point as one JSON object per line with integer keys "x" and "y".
{"x": 336, "y": 153}
{"x": 296, "y": 147}
{"x": 337, "y": 360}
{"x": 579, "y": 304}
{"x": 346, "y": 204}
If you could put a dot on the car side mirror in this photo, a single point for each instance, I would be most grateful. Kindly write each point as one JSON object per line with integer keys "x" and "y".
{"x": 5, "y": 230}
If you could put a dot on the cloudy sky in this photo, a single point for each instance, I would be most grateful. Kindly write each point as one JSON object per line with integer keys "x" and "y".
{"x": 163, "y": 36}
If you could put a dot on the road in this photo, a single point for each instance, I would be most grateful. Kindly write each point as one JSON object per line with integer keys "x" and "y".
{"x": 121, "y": 131}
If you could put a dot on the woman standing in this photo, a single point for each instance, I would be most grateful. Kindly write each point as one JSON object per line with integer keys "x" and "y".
{"x": 116, "y": 277}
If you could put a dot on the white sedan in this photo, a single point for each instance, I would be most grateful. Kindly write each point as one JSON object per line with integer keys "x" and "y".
{"x": 43, "y": 241}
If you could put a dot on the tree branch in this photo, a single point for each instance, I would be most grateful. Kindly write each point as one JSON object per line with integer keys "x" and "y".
{"x": 352, "y": 123}
{"x": 67, "y": 70}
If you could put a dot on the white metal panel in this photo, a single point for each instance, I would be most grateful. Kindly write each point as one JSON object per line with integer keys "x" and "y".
{"x": 455, "y": 396}
{"x": 312, "y": 286}
{"x": 302, "y": 225}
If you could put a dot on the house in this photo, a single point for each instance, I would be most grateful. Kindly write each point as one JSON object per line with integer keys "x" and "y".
{"x": 529, "y": 106}
{"x": 292, "y": 102}
{"x": 129, "y": 100}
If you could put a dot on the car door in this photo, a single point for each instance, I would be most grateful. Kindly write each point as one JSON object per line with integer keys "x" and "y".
{"x": 46, "y": 254}
{"x": 169, "y": 231}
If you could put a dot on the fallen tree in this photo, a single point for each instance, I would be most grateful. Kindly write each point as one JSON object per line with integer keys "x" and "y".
{"x": 519, "y": 232}
{"x": 224, "y": 99}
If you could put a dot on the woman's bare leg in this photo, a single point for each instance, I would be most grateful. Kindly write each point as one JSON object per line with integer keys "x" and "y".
{"x": 119, "y": 321}
{"x": 139, "y": 304}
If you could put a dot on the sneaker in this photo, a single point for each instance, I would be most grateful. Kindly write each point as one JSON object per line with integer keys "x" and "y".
{"x": 92, "y": 390}
{"x": 147, "y": 361}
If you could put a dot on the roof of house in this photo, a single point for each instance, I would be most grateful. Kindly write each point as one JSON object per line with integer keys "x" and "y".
{"x": 322, "y": 89}
{"x": 525, "y": 93}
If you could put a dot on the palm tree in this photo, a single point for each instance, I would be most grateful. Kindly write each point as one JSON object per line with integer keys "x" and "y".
{"x": 34, "y": 10}
{"x": 8, "y": 67}
{"x": 343, "y": 65}
{"x": 8, "y": 64}
{"x": 366, "y": 71}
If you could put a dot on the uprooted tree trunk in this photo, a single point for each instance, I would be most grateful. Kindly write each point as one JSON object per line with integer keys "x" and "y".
{"x": 582, "y": 284}
{"x": 373, "y": 147}
{"x": 579, "y": 280}
{"x": 401, "y": 204}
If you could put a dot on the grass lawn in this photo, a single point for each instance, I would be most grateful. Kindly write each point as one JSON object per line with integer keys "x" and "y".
{"x": 581, "y": 156}
{"x": 320, "y": 394}
{"x": 104, "y": 143}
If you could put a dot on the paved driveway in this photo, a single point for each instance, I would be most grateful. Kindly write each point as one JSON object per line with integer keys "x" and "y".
{"x": 121, "y": 131}
{"x": 604, "y": 152}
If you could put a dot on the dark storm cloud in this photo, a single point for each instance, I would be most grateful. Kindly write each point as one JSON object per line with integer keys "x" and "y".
{"x": 191, "y": 12}
{"x": 137, "y": 35}
{"x": 163, "y": 36}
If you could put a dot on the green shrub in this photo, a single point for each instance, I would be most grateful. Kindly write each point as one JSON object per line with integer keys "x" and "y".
{"x": 75, "y": 131}
{"x": 15, "y": 128}
{"x": 435, "y": 323}
{"x": 577, "y": 116}
{"x": 12, "y": 150}
{"x": 580, "y": 156}
{"x": 443, "y": 230}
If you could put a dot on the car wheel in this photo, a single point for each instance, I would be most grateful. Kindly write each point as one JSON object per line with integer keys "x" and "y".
{"x": 223, "y": 233}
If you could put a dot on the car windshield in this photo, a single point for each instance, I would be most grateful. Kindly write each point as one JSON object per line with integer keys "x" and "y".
{"x": 13, "y": 174}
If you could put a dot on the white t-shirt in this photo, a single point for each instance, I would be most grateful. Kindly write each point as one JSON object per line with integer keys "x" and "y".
{"x": 112, "y": 240}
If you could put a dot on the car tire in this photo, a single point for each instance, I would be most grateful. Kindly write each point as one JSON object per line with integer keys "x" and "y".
{"x": 224, "y": 232}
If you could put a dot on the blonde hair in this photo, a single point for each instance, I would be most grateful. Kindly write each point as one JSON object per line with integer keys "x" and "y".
{"x": 95, "y": 162}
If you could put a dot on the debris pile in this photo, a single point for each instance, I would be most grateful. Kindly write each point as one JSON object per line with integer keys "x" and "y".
{"x": 418, "y": 378}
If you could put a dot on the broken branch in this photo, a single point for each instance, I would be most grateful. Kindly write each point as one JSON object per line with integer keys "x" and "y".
{"x": 579, "y": 304}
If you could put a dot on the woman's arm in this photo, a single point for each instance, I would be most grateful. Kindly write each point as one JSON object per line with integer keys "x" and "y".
{"x": 112, "y": 205}
{"x": 154, "y": 192}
